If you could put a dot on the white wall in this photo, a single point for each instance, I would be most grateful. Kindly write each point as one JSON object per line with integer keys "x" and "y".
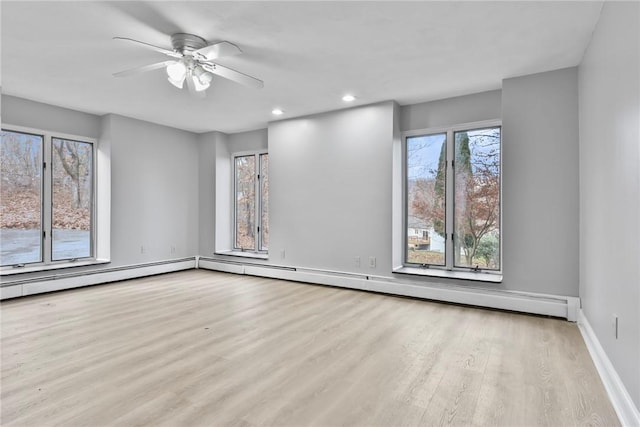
{"x": 330, "y": 189}
{"x": 610, "y": 187}
{"x": 540, "y": 182}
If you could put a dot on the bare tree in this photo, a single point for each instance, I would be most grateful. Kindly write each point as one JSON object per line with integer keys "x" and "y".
{"x": 70, "y": 161}
{"x": 477, "y": 192}
{"x": 245, "y": 201}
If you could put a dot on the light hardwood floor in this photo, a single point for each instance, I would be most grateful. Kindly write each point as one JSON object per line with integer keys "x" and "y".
{"x": 207, "y": 348}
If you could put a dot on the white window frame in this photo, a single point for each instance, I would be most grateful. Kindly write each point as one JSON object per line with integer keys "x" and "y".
{"x": 258, "y": 203}
{"x": 448, "y": 270}
{"x": 47, "y": 262}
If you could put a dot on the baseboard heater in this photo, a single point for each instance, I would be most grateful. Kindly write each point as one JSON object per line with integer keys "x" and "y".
{"x": 69, "y": 280}
{"x": 525, "y": 302}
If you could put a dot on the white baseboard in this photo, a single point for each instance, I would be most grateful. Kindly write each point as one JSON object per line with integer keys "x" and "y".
{"x": 558, "y": 306}
{"x": 226, "y": 267}
{"x": 62, "y": 281}
{"x": 620, "y": 398}
{"x": 12, "y": 291}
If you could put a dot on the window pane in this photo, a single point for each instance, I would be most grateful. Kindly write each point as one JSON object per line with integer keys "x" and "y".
{"x": 264, "y": 202}
{"x": 245, "y": 199}
{"x": 72, "y": 199}
{"x": 477, "y": 199}
{"x": 426, "y": 182}
{"x": 21, "y": 198}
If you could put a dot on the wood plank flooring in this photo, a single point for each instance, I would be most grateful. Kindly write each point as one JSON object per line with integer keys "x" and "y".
{"x": 200, "y": 348}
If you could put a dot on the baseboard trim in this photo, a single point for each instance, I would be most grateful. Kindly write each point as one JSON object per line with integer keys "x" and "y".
{"x": 57, "y": 282}
{"x": 558, "y": 306}
{"x": 618, "y": 394}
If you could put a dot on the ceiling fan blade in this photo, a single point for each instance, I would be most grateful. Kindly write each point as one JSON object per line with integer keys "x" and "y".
{"x": 217, "y": 50}
{"x": 192, "y": 87}
{"x": 233, "y": 75}
{"x": 152, "y": 47}
{"x": 143, "y": 69}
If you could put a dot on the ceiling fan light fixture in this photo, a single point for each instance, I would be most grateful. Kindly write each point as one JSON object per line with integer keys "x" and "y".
{"x": 177, "y": 83}
{"x": 177, "y": 72}
{"x": 199, "y": 86}
{"x": 201, "y": 79}
{"x": 204, "y": 77}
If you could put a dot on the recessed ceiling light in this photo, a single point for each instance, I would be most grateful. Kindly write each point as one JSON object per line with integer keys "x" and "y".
{"x": 348, "y": 98}
{"x": 277, "y": 112}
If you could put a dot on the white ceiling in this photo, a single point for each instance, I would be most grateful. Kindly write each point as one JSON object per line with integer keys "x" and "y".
{"x": 308, "y": 53}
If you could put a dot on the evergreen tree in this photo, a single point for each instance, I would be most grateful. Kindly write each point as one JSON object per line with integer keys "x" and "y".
{"x": 439, "y": 189}
{"x": 464, "y": 182}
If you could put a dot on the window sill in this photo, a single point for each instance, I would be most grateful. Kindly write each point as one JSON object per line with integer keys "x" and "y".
{"x": 254, "y": 255}
{"x": 8, "y": 271}
{"x": 449, "y": 274}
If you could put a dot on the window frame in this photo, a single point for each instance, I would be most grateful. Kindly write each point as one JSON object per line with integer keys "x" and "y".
{"x": 92, "y": 211}
{"x": 405, "y": 198}
{"x": 46, "y": 210}
{"x": 258, "y": 204}
{"x": 448, "y": 269}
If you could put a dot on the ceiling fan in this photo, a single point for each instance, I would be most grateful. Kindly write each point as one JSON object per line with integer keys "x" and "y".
{"x": 192, "y": 62}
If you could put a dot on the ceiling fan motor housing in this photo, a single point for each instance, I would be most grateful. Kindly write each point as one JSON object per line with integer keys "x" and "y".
{"x": 187, "y": 43}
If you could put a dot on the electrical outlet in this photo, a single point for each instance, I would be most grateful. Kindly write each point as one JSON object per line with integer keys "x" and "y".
{"x": 357, "y": 261}
{"x": 282, "y": 254}
{"x": 614, "y": 325}
{"x": 372, "y": 262}
{"x": 141, "y": 249}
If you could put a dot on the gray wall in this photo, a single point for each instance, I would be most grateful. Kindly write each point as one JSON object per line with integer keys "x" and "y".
{"x": 477, "y": 107}
{"x": 153, "y": 185}
{"x": 330, "y": 189}
{"x": 216, "y": 151}
{"x": 207, "y": 190}
{"x": 23, "y": 112}
{"x": 540, "y": 182}
{"x": 331, "y": 197}
{"x": 452, "y": 111}
{"x": 248, "y": 141}
{"x": 610, "y": 188}
{"x": 540, "y": 209}
{"x": 331, "y": 183}
{"x": 154, "y": 192}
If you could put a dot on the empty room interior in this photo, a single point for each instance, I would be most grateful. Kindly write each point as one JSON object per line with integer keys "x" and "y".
{"x": 312, "y": 213}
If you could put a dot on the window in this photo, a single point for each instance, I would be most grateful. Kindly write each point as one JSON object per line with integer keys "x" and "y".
{"x": 452, "y": 196}
{"x": 47, "y": 198}
{"x": 251, "y": 202}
